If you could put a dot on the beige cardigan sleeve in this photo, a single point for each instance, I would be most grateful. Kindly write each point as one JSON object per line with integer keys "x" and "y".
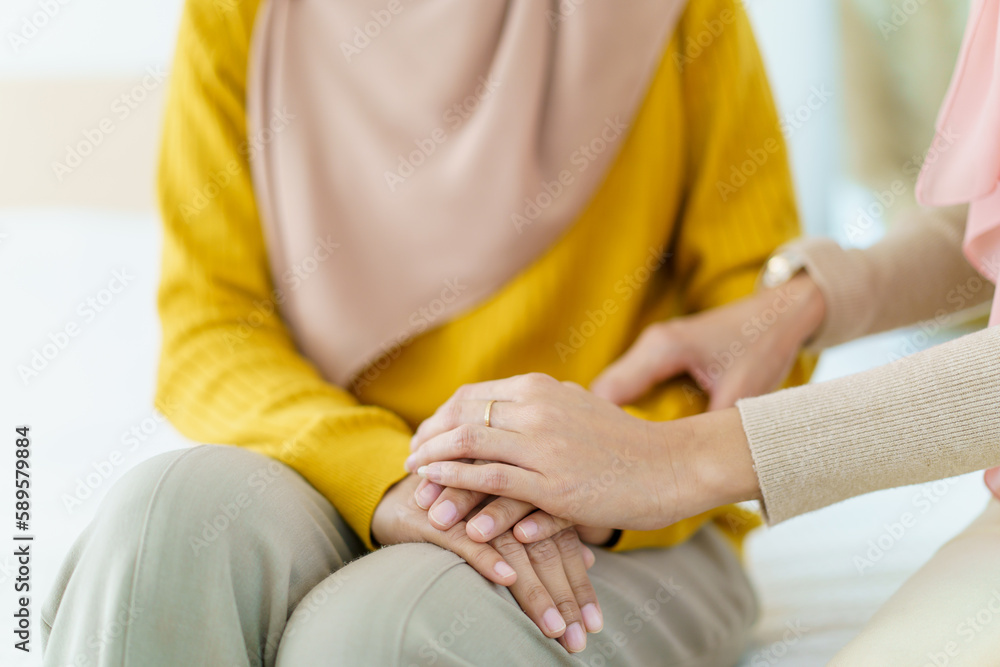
{"x": 931, "y": 415}
{"x": 916, "y": 272}
{"x": 928, "y": 416}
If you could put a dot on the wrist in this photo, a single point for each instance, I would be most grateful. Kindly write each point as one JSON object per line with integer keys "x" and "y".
{"x": 379, "y": 528}
{"x": 383, "y": 519}
{"x": 810, "y": 306}
{"x": 711, "y": 463}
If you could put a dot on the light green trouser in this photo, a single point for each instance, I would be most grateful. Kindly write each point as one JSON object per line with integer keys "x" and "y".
{"x": 201, "y": 556}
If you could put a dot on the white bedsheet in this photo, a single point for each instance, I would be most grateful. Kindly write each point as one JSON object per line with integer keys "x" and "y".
{"x": 83, "y": 405}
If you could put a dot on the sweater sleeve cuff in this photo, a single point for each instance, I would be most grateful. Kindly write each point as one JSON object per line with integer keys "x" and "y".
{"x": 772, "y": 453}
{"x": 925, "y": 417}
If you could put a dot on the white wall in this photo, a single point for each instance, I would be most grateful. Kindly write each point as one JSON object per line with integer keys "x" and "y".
{"x": 63, "y": 65}
{"x": 85, "y": 38}
{"x": 799, "y": 41}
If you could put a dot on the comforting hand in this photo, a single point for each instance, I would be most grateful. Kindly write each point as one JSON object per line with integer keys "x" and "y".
{"x": 745, "y": 348}
{"x": 582, "y": 459}
{"x": 548, "y": 579}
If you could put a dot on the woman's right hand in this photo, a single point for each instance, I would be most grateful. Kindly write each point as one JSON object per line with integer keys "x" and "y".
{"x": 742, "y": 349}
{"x": 548, "y": 578}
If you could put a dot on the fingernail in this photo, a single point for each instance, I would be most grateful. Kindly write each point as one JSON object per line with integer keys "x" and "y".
{"x": 410, "y": 460}
{"x": 483, "y": 525}
{"x": 528, "y": 529}
{"x": 592, "y": 617}
{"x": 993, "y": 479}
{"x": 444, "y": 513}
{"x": 430, "y": 472}
{"x": 553, "y": 621}
{"x": 503, "y": 570}
{"x": 426, "y": 495}
{"x": 576, "y": 638}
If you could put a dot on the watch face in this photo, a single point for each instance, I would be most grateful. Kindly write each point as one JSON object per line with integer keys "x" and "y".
{"x": 779, "y": 270}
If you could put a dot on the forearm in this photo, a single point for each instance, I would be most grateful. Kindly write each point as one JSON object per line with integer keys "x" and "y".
{"x": 917, "y": 272}
{"x": 715, "y": 443}
{"x": 926, "y": 417}
{"x": 702, "y": 462}
{"x": 674, "y": 410}
{"x": 709, "y": 460}
{"x": 736, "y": 520}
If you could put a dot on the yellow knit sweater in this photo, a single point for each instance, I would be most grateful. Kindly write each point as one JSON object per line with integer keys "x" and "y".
{"x": 701, "y": 176}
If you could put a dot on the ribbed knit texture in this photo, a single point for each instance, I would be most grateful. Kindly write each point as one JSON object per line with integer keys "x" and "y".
{"x": 928, "y": 416}
{"x": 916, "y": 272}
{"x": 922, "y": 418}
{"x": 230, "y": 372}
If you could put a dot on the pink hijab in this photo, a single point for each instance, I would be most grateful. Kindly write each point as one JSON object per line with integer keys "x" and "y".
{"x": 963, "y": 164}
{"x": 413, "y": 156}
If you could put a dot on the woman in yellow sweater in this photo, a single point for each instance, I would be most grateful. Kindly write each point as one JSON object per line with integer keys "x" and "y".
{"x": 365, "y": 208}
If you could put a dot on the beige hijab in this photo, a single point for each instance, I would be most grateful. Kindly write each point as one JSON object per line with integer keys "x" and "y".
{"x": 409, "y": 157}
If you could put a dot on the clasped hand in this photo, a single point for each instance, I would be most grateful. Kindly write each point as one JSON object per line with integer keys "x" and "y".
{"x": 547, "y": 575}
{"x": 513, "y": 498}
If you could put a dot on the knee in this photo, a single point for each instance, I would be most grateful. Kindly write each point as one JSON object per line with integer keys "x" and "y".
{"x": 411, "y": 604}
{"x": 196, "y": 497}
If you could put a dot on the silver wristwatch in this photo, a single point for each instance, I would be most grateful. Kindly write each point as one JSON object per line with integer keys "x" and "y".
{"x": 781, "y": 267}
